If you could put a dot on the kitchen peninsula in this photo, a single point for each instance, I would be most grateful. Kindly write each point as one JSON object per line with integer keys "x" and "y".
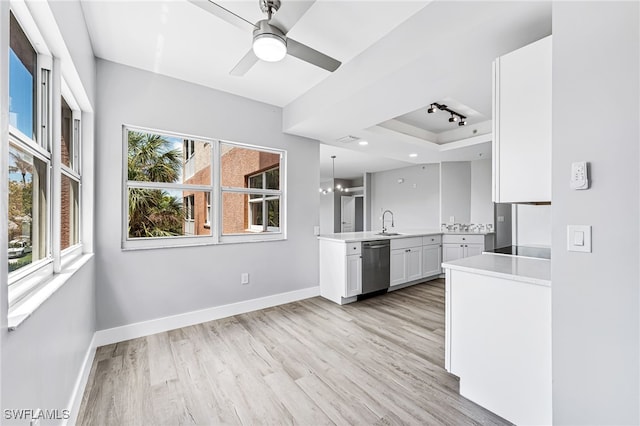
{"x": 498, "y": 334}
{"x": 414, "y": 256}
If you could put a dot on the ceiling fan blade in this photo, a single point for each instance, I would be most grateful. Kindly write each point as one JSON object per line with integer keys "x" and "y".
{"x": 224, "y": 14}
{"x": 307, "y": 54}
{"x": 245, "y": 64}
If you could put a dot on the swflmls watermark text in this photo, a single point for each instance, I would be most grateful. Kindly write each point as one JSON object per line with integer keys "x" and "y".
{"x": 35, "y": 414}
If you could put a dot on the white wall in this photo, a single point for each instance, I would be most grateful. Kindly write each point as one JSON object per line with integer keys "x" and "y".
{"x": 595, "y": 296}
{"x": 455, "y": 191}
{"x": 134, "y": 286}
{"x": 532, "y": 225}
{"x": 43, "y": 358}
{"x": 413, "y": 207}
{"x": 481, "y": 205}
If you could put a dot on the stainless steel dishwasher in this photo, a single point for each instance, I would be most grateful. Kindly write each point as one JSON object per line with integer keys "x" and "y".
{"x": 376, "y": 273}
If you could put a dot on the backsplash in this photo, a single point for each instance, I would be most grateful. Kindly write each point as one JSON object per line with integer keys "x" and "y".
{"x": 467, "y": 227}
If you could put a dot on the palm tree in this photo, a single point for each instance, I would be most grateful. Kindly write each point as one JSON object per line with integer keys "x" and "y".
{"x": 153, "y": 212}
{"x": 18, "y": 164}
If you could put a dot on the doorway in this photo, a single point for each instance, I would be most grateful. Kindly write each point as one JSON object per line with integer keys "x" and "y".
{"x": 351, "y": 213}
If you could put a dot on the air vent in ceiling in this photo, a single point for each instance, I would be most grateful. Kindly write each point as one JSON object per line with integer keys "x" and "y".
{"x": 347, "y": 139}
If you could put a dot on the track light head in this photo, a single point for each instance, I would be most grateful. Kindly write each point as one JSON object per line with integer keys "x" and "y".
{"x": 462, "y": 123}
{"x": 432, "y": 109}
{"x": 453, "y": 118}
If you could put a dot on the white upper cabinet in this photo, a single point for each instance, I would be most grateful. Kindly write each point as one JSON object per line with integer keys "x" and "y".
{"x": 522, "y": 124}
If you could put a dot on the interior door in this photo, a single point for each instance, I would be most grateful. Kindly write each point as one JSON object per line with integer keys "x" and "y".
{"x": 347, "y": 214}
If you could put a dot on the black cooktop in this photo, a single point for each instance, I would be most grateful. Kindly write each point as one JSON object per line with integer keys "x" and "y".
{"x": 539, "y": 252}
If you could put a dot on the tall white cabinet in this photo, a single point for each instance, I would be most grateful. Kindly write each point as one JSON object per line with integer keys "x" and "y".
{"x": 522, "y": 125}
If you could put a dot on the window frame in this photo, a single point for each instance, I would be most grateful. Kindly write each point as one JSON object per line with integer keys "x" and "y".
{"x": 129, "y": 243}
{"x": 264, "y": 199}
{"x": 281, "y": 193}
{"x": 25, "y": 281}
{"x": 213, "y": 194}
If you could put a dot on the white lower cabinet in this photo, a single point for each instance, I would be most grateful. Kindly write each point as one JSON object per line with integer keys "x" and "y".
{"x": 340, "y": 270}
{"x": 458, "y": 246}
{"x": 431, "y": 260}
{"x": 406, "y": 260}
{"x": 354, "y": 275}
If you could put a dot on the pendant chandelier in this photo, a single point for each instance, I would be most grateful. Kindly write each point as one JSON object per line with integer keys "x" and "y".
{"x": 332, "y": 188}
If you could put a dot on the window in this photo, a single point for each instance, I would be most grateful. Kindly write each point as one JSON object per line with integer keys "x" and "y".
{"x": 29, "y": 163}
{"x": 250, "y": 190}
{"x": 44, "y": 173}
{"x": 264, "y": 210}
{"x": 69, "y": 178}
{"x": 189, "y": 217}
{"x": 207, "y": 209}
{"x": 173, "y": 197}
{"x": 161, "y": 194}
{"x": 22, "y": 81}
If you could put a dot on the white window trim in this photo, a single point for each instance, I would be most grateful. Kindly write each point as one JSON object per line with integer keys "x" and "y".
{"x": 215, "y": 189}
{"x": 282, "y": 193}
{"x": 159, "y": 242}
{"x": 36, "y": 278}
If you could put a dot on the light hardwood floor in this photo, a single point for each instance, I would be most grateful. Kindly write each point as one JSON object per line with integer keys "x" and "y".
{"x": 379, "y": 361}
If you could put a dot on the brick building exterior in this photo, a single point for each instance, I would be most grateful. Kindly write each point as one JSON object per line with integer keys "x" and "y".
{"x": 238, "y": 164}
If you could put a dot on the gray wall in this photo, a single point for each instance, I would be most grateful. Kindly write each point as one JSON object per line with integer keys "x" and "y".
{"x": 327, "y": 212}
{"x": 455, "y": 190}
{"x": 481, "y": 204}
{"x": 595, "y": 296}
{"x": 413, "y": 207}
{"x": 141, "y": 285}
{"x": 42, "y": 359}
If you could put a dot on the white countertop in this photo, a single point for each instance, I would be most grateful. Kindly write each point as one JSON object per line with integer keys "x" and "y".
{"x": 352, "y": 237}
{"x": 524, "y": 269}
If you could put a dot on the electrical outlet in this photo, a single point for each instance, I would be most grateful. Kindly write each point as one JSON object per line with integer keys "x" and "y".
{"x": 244, "y": 278}
{"x": 452, "y": 219}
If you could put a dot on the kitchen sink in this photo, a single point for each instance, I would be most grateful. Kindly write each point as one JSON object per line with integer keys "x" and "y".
{"x": 388, "y": 234}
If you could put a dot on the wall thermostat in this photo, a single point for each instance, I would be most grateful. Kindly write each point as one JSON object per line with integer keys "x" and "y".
{"x": 579, "y": 175}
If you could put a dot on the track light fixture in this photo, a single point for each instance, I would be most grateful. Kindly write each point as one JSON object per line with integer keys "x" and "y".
{"x": 455, "y": 117}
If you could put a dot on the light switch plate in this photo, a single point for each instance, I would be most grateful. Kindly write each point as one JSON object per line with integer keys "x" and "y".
{"x": 579, "y": 238}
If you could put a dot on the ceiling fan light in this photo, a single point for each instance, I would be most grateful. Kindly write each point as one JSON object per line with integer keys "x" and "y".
{"x": 269, "y": 47}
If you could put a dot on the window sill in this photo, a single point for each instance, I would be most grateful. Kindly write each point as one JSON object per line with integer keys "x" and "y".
{"x": 23, "y": 310}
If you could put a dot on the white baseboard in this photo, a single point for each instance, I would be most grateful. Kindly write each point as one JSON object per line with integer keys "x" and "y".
{"x": 81, "y": 384}
{"x": 146, "y": 328}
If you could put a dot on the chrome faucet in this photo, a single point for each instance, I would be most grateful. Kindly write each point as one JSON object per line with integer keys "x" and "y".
{"x": 384, "y": 228}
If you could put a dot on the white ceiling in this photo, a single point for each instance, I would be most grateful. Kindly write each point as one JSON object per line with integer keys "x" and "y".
{"x": 397, "y": 57}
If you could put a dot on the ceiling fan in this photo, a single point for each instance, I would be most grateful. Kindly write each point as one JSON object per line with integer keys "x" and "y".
{"x": 270, "y": 42}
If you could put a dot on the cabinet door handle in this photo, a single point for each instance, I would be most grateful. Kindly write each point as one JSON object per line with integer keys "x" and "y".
{"x": 461, "y": 245}
{"x": 407, "y": 250}
{"x": 464, "y": 239}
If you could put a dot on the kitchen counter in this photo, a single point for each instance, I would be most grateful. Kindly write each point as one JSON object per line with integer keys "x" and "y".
{"x": 523, "y": 269}
{"x": 353, "y": 237}
{"x": 498, "y": 334}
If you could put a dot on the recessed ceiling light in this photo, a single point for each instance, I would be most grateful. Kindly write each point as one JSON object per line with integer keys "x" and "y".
{"x": 363, "y": 143}
{"x": 413, "y": 155}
